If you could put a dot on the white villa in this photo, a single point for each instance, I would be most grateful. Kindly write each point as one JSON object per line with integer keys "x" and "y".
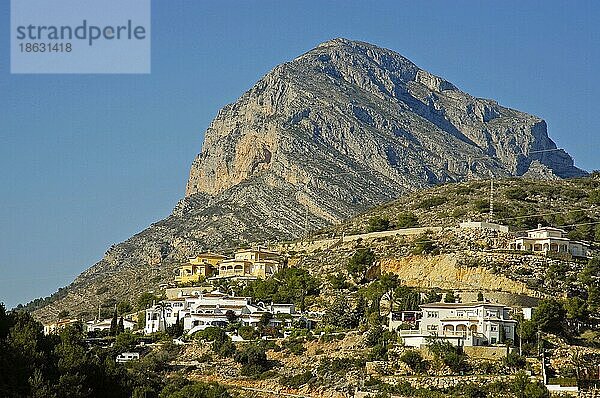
{"x": 104, "y": 324}
{"x": 462, "y": 324}
{"x": 210, "y": 309}
{"x": 127, "y": 356}
{"x": 549, "y": 239}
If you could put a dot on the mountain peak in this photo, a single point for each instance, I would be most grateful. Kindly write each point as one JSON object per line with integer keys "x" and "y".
{"x": 342, "y": 42}
{"x": 354, "y": 105}
{"x": 335, "y": 41}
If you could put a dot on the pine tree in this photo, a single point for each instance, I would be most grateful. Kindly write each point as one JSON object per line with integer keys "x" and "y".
{"x": 450, "y": 298}
{"x": 121, "y": 327}
{"x": 113, "y": 323}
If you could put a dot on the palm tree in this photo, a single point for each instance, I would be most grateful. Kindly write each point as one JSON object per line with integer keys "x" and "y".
{"x": 225, "y": 285}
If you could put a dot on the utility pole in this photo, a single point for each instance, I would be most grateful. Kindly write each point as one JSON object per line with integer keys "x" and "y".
{"x": 491, "y": 216}
{"x": 521, "y": 319}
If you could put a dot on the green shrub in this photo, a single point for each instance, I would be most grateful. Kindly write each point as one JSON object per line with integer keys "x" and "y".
{"x": 378, "y": 352}
{"x": 378, "y": 223}
{"x": 338, "y": 281}
{"x": 145, "y": 300}
{"x": 514, "y": 361}
{"x": 450, "y": 298}
{"x": 463, "y": 191}
{"x": 124, "y": 307}
{"x": 296, "y": 380}
{"x": 414, "y": 360}
{"x": 340, "y": 315}
{"x": 407, "y": 219}
{"x": 451, "y": 356}
{"x": 481, "y": 205}
{"x": 432, "y": 201}
{"x": 360, "y": 262}
{"x": 289, "y": 285}
{"x": 516, "y": 193}
{"x": 109, "y": 303}
{"x": 563, "y": 381}
{"x": 196, "y": 390}
{"x": 221, "y": 342}
{"x": 459, "y": 211}
{"x": 102, "y": 290}
{"x": 253, "y": 359}
{"x": 594, "y": 196}
{"x": 424, "y": 245}
{"x": 339, "y": 365}
{"x": 574, "y": 193}
{"x": 247, "y": 332}
{"x": 549, "y": 316}
{"x": 295, "y": 346}
{"x": 523, "y": 386}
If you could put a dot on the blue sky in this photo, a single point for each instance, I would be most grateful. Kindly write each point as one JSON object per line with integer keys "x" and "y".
{"x": 89, "y": 160}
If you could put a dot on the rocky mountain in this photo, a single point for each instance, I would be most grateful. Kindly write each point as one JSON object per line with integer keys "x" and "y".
{"x": 341, "y": 128}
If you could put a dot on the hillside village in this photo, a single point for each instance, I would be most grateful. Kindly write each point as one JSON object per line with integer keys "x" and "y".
{"x": 454, "y": 291}
{"x": 417, "y": 311}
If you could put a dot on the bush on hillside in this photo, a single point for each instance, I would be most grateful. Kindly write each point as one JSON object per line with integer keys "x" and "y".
{"x": 378, "y": 223}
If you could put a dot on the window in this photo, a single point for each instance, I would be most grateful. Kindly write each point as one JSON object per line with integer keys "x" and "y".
{"x": 433, "y": 314}
{"x": 494, "y": 328}
{"x": 432, "y": 327}
{"x": 460, "y": 313}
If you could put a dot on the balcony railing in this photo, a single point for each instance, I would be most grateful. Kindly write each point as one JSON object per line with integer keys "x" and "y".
{"x": 441, "y": 333}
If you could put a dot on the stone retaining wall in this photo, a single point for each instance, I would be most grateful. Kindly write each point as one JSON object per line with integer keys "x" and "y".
{"x": 445, "y": 381}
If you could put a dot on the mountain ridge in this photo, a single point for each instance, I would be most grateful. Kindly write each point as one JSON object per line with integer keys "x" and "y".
{"x": 339, "y": 129}
{"x": 278, "y": 89}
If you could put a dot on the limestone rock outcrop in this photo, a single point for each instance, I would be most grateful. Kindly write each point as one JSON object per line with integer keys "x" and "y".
{"x": 341, "y": 128}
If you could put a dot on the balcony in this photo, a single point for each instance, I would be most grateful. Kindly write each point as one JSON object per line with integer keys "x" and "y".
{"x": 442, "y": 333}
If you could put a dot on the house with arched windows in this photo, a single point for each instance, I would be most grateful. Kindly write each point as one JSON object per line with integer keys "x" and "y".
{"x": 250, "y": 263}
{"x": 462, "y": 324}
{"x": 200, "y": 267}
{"x": 549, "y": 239}
{"x": 254, "y": 263}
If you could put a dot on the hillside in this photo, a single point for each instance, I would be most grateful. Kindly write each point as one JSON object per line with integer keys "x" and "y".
{"x": 465, "y": 259}
{"x": 573, "y": 204}
{"x": 338, "y": 130}
{"x": 518, "y": 202}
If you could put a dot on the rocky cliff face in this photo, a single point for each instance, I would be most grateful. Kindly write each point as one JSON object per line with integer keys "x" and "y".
{"x": 344, "y": 127}
{"x": 349, "y": 106}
